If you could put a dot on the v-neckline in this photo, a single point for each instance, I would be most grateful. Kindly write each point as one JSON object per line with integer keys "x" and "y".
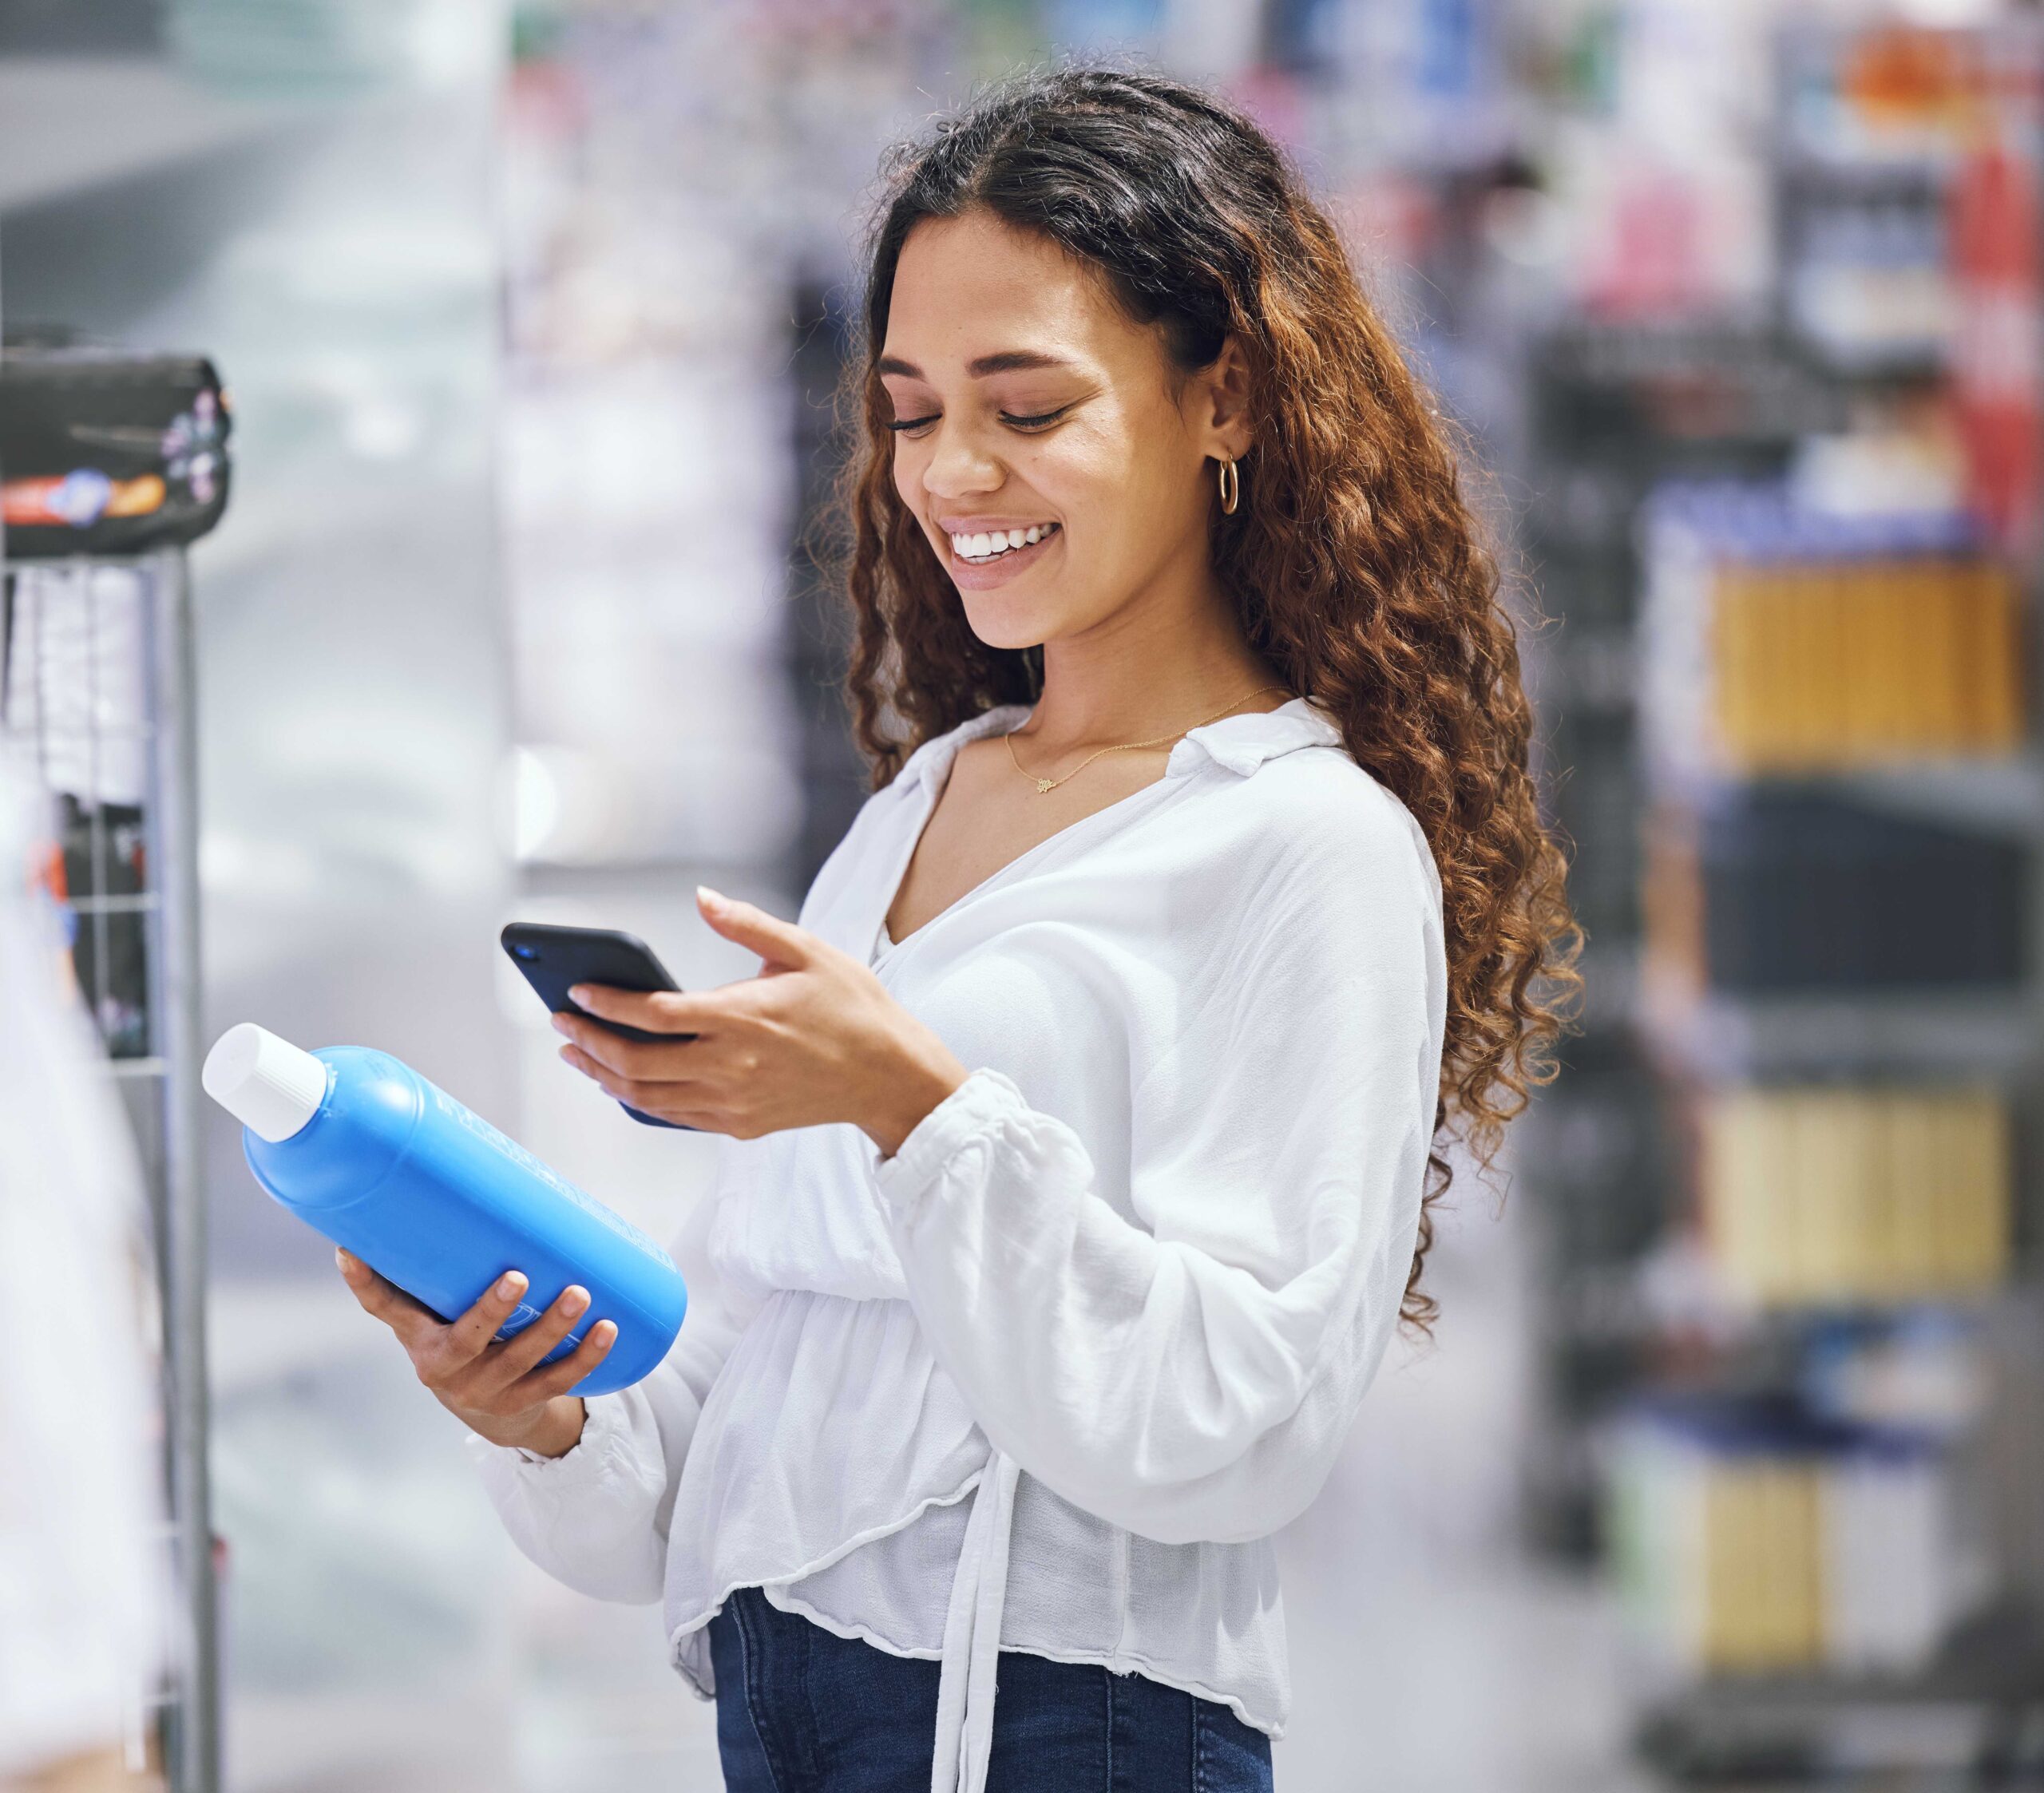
{"x": 885, "y": 946}
{"x": 886, "y": 949}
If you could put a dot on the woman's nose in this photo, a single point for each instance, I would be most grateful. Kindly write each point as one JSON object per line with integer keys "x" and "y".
{"x": 958, "y": 469}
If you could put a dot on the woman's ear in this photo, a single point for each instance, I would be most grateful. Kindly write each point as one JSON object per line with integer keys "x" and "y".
{"x": 1220, "y": 400}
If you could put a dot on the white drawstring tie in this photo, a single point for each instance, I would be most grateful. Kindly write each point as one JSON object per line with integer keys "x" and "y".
{"x": 971, "y": 1635}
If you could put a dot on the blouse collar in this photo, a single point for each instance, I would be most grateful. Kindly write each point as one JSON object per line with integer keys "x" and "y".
{"x": 1242, "y": 743}
{"x": 1239, "y": 744}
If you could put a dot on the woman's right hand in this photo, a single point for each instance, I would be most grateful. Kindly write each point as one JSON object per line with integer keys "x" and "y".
{"x": 495, "y": 1389}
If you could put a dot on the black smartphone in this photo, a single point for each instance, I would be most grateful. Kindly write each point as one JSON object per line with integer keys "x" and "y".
{"x": 555, "y": 959}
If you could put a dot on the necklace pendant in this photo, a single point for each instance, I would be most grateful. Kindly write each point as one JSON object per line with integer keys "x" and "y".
{"x": 1043, "y": 785}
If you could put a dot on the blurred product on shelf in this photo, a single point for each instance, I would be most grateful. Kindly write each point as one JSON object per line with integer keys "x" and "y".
{"x": 104, "y": 451}
{"x": 1772, "y": 891}
{"x": 1887, "y": 93}
{"x": 1998, "y": 338}
{"x": 1748, "y": 1539}
{"x": 1925, "y": 1368}
{"x": 1830, "y": 1196}
{"x": 1871, "y": 288}
{"x": 73, "y": 639}
{"x": 1845, "y": 662}
{"x": 1908, "y": 213}
{"x": 1900, "y": 457}
{"x": 104, "y": 861}
{"x": 1782, "y": 639}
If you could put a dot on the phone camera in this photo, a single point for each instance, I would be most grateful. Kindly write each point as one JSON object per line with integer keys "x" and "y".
{"x": 525, "y": 952}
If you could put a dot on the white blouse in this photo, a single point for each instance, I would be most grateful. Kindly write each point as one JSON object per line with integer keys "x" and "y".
{"x": 1049, "y": 1377}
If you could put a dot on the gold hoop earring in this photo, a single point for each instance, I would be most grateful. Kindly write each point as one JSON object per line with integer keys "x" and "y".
{"x": 1231, "y": 487}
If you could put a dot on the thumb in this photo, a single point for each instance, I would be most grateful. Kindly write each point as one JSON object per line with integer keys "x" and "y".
{"x": 776, "y": 942}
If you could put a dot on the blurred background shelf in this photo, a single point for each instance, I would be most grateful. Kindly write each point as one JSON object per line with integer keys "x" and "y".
{"x": 2003, "y": 794}
{"x": 1791, "y": 1314}
{"x": 1873, "y": 1034}
{"x": 1972, "y": 1717}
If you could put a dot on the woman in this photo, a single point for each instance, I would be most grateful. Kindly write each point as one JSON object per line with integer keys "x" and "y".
{"x": 1078, "y": 1134}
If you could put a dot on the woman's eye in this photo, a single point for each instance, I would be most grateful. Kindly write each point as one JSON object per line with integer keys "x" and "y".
{"x": 1042, "y": 420}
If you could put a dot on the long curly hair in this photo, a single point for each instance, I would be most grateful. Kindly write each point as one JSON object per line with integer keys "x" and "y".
{"x": 1354, "y": 563}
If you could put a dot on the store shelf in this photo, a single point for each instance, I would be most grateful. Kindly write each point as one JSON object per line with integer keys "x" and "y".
{"x": 2003, "y": 795}
{"x": 1975, "y": 1717}
{"x": 1722, "y": 1038}
{"x": 1908, "y": 176}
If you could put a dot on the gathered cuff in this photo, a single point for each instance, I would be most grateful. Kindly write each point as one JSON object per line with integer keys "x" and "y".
{"x": 604, "y": 1431}
{"x": 986, "y": 1099}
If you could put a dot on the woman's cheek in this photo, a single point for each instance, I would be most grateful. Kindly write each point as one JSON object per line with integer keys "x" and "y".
{"x": 1082, "y": 474}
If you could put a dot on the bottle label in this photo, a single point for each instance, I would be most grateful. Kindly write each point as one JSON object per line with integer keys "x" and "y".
{"x": 546, "y": 1174}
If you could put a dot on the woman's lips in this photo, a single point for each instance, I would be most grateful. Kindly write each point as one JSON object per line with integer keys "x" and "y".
{"x": 983, "y": 575}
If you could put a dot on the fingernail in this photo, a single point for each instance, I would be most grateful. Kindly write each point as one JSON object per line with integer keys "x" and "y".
{"x": 574, "y": 1300}
{"x": 342, "y": 1257}
{"x": 577, "y": 993}
{"x": 708, "y": 898}
{"x": 560, "y": 1023}
{"x": 509, "y": 1284}
{"x": 603, "y": 1331}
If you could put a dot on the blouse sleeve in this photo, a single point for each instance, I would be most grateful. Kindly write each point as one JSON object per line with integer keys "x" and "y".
{"x": 1190, "y": 1373}
{"x": 596, "y": 1516}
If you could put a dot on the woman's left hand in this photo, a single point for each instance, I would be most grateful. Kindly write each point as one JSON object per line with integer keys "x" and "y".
{"x": 814, "y": 1037}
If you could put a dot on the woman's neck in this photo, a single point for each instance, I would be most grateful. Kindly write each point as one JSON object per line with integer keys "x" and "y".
{"x": 1138, "y": 675}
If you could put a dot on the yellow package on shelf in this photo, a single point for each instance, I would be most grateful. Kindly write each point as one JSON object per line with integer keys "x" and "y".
{"x": 1978, "y": 1196}
{"x": 1825, "y": 1196}
{"x": 1995, "y": 671}
{"x": 1821, "y": 665}
{"x": 1749, "y": 1544}
{"x": 1764, "y": 1602}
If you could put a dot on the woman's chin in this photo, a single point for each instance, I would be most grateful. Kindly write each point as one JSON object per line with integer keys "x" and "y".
{"x": 1009, "y": 641}
{"x": 1013, "y": 624}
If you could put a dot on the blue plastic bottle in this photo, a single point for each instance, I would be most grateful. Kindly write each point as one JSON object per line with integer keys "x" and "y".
{"x": 432, "y": 1196}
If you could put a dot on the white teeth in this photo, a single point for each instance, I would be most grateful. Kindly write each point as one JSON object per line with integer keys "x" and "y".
{"x": 983, "y": 545}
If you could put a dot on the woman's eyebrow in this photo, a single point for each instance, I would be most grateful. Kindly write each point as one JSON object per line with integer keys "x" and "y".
{"x": 1008, "y": 361}
{"x": 1013, "y": 361}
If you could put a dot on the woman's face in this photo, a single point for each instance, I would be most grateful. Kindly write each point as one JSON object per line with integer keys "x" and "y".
{"x": 1025, "y": 401}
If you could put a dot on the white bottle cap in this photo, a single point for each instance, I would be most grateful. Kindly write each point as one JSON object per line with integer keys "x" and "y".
{"x": 271, "y": 1087}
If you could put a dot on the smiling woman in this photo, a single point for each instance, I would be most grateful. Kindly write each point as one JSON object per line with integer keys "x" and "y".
{"x": 1079, "y": 1134}
{"x": 1079, "y": 435}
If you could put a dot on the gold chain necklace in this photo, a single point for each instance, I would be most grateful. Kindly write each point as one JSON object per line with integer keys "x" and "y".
{"x": 1044, "y": 786}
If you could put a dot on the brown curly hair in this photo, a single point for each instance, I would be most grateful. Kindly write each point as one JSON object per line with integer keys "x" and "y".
{"x": 1354, "y": 565}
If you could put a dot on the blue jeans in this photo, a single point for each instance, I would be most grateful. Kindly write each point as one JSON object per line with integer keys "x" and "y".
{"x": 802, "y": 1709}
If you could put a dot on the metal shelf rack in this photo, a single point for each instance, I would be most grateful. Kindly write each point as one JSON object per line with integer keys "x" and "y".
{"x": 136, "y": 610}
{"x": 111, "y": 463}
